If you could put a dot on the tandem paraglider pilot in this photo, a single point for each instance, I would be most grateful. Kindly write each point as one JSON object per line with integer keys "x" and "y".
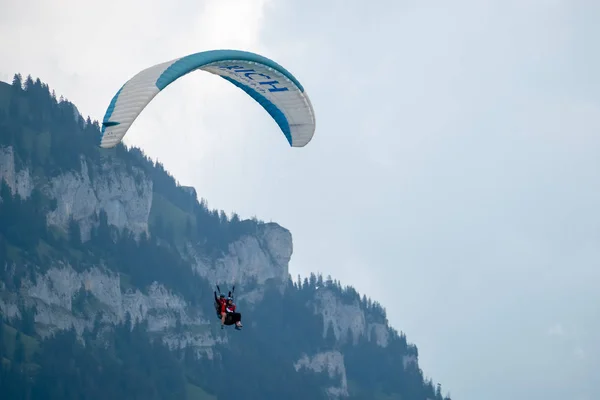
{"x": 226, "y": 311}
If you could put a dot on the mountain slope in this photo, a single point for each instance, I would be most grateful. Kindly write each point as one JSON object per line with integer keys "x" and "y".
{"x": 108, "y": 268}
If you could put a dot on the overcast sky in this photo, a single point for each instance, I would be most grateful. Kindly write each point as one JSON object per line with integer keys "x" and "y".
{"x": 454, "y": 174}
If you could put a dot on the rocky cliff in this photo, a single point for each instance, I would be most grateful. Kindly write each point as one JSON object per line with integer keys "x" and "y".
{"x": 130, "y": 191}
{"x": 127, "y": 197}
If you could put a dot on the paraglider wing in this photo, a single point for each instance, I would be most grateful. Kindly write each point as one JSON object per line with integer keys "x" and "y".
{"x": 271, "y": 85}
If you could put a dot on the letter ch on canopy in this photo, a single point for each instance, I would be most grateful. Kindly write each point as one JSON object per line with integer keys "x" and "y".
{"x": 271, "y": 85}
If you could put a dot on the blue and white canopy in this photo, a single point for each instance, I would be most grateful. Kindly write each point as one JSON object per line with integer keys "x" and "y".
{"x": 271, "y": 85}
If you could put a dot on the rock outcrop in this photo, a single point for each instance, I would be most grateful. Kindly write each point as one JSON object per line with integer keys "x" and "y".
{"x": 65, "y": 298}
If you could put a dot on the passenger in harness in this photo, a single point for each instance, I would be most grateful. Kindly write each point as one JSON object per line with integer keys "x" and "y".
{"x": 225, "y": 308}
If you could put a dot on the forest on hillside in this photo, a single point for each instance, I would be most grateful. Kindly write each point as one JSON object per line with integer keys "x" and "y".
{"x": 126, "y": 361}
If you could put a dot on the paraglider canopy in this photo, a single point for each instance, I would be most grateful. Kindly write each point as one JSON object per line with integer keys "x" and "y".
{"x": 267, "y": 82}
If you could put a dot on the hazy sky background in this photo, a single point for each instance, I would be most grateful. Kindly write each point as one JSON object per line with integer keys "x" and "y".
{"x": 454, "y": 175}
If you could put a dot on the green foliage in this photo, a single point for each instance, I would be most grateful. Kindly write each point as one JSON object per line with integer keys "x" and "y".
{"x": 132, "y": 367}
{"x": 126, "y": 361}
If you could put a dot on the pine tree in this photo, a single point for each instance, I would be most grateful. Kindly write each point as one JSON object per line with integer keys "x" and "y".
{"x": 17, "y": 82}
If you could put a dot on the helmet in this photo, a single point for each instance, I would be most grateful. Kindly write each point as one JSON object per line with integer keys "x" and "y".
{"x": 222, "y": 296}
{"x": 229, "y": 298}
